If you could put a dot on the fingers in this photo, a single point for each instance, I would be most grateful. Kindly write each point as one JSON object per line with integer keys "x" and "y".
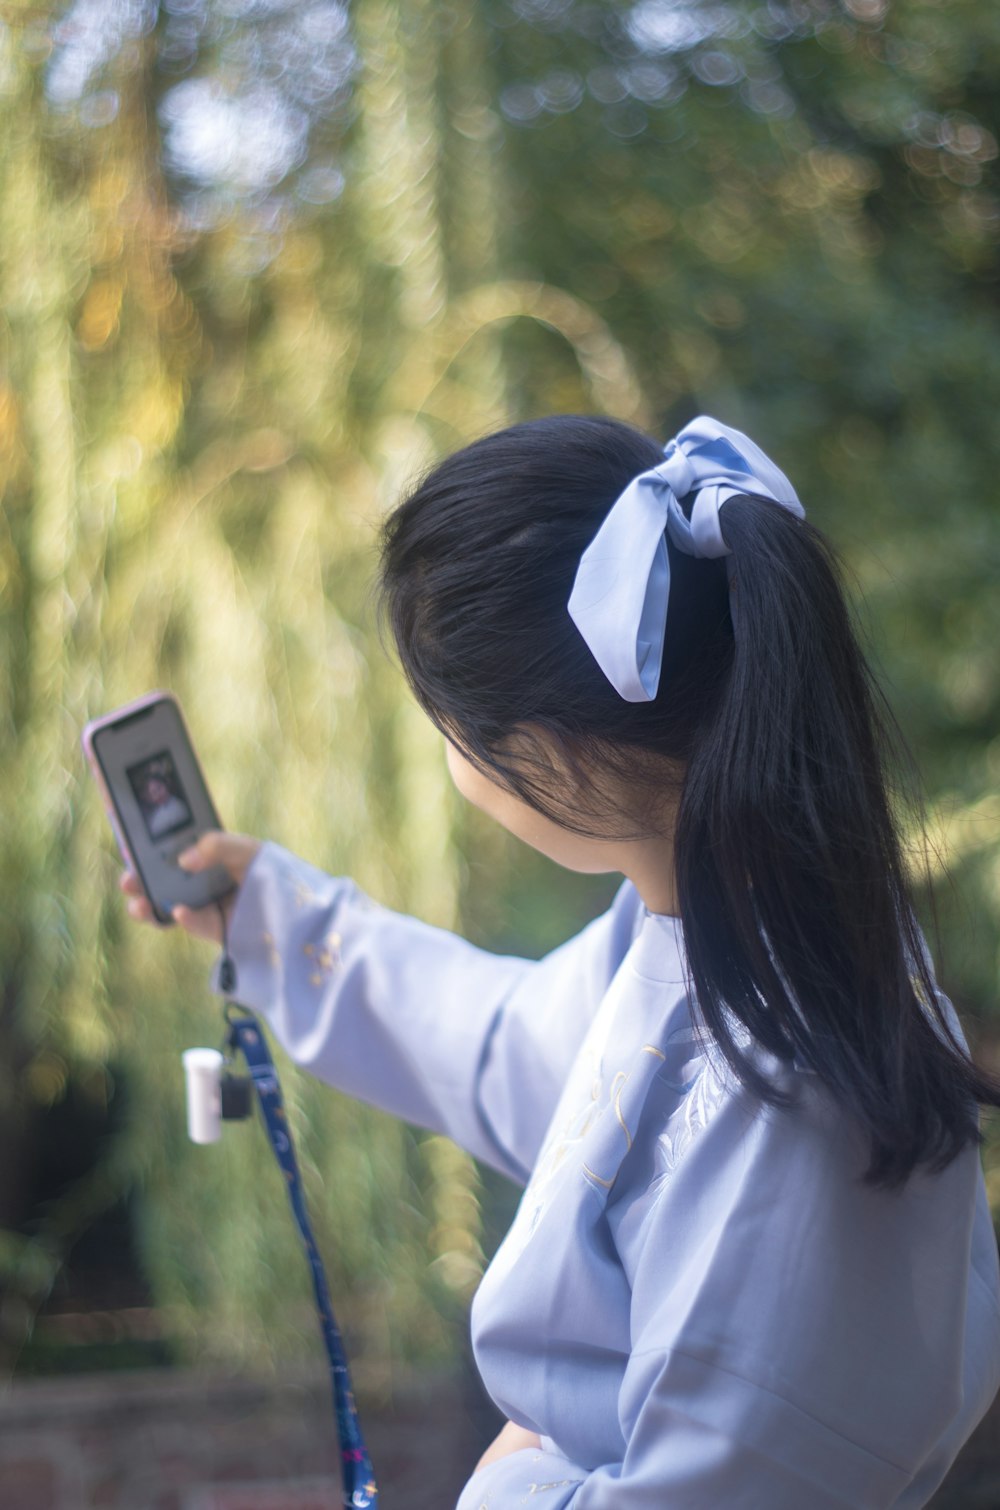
{"x": 512, "y": 1438}
{"x": 233, "y": 852}
{"x": 200, "y": 922}
{"x": 140, "y": 910}
{"x": 138, "y": 903}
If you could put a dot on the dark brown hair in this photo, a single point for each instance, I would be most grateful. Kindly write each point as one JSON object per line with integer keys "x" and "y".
{"x": 794, "y": 904}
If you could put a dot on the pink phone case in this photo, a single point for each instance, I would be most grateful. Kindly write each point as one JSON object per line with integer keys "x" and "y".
{"x": 87, "y": 738}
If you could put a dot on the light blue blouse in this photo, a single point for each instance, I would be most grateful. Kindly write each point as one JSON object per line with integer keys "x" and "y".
{"x": 698, "y": 1304}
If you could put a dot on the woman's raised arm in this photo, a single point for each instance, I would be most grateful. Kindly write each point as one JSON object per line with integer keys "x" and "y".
{"x": 410, "y": 1018}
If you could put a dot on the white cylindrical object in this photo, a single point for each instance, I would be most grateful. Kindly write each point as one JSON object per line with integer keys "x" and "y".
{"x": 203, "y": 1072}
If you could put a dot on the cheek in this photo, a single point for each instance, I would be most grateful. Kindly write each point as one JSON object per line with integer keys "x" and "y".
{"x": 521, "y": 820}
{"x": 491, "y": 799}
{"x": 461, "y": 772}
{"x": 570, "y": 850}
{"x": 471, "y": 784}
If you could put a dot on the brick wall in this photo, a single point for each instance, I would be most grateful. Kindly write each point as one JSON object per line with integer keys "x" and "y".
{"x": 173, "y": 1440}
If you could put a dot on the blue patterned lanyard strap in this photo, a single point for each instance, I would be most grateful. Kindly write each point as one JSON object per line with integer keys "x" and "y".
{"x": 360, "y": 1490}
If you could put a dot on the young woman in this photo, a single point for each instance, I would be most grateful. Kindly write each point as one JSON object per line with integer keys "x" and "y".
{"x": 753, "y": 1265}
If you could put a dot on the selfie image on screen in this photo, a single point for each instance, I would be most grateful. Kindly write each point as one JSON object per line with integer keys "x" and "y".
{"x": 159, "y": 793}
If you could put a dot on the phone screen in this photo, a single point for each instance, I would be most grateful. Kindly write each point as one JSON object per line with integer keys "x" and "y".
{"x": 160, "y": 795}
{"x": 157, "y": 800}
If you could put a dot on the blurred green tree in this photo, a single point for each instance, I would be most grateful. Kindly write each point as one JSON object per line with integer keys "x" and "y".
{"x": 261, "y": 263}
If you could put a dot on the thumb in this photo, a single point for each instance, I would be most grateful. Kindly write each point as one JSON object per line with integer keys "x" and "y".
{"x": 233, "y": 852}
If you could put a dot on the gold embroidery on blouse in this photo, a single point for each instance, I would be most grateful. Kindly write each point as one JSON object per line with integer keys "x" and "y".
{"x": 592, "y": 1176}
{"x": 649, "y": 1048}
{"x": 326, "y": 959}
{"x": 619, "y": 1081}
{"x": 267, "y": 939}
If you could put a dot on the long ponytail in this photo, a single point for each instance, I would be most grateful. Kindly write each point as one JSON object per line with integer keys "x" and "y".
{"x": 792, "y": 888}
{"x": 789, "y": 865}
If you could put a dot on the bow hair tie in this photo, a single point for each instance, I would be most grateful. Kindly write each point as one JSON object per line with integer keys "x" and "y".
{"x": 622, "y": 586}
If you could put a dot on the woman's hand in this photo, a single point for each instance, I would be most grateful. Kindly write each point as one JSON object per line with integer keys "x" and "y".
{"x": 233, "y": 852}
{"x": 511, "y": 1439}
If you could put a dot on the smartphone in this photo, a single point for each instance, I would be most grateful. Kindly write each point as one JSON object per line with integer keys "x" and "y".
{"x": 157, "y": 800}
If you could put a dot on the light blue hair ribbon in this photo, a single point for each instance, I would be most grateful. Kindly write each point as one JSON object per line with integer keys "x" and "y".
{"x": 622, "y": 586}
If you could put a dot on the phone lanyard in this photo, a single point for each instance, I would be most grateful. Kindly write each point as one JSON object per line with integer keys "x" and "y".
{"x": 245, "y": 1034}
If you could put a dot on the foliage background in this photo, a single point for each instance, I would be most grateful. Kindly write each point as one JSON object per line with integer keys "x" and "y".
{"x": 260, "y": 263}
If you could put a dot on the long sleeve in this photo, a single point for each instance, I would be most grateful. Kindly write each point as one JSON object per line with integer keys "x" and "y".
{"x": 797, "y": 1338}
{"x": 412, "y": 1018}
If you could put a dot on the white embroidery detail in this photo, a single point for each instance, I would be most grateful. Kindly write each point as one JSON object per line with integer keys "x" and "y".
{"x": 695, "y": 1112}
{"x": 556, "y": 1484}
